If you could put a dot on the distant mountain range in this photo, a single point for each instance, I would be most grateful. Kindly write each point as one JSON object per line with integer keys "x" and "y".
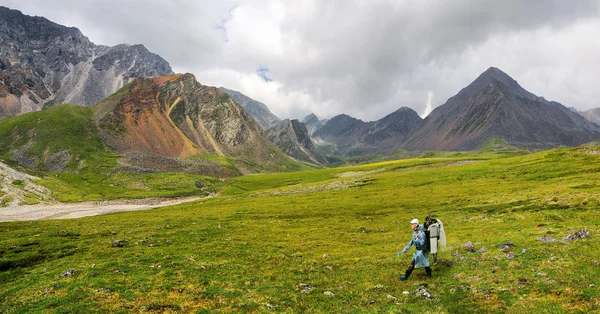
{"x": 44, "y": 64}
{"x": 261, "y": 113}
{"x": 154, "y": 119}
{"x": 496, "y": 106}
{"x": 591, "y": 114}
{"x": 354, "y": 137}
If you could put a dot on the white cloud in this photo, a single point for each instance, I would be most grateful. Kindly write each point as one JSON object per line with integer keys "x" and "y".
{"x": 363, "y": 58}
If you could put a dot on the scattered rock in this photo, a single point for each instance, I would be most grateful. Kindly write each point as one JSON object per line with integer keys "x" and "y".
{"x": 329, "y": 293}
{"x": 482, "y": 250}
{"x": 469, "y": 247}
{"x": 547, "y": 239}
{"x": 406, "y": 293}
{"x": 104, "y": 290}
{"x": 508, "y": 246}
{"x": 326, "y": 256}
{"x": 329, "y": 268}
{"x": 68, "y": 273}
{"x": 378, "y": 288}
{"x": 305, "y": 288}
{"x": 269, "y": 306}
{"x": 510, "y": 256}
{"x": 120, "y": 243}
{"x": 391, "y": 297}
{"x": 592, "y": 286}
{"x": 341, "y": 288}
{"x": 523, "y": 250}
{"x": 424, "y": 293}
{"x": 594, "y": 262}
{"x": 581, "y": 234}
{"x": 541, "y": 274}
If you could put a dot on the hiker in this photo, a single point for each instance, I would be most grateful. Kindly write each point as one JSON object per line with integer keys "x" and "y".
{"x": 420, "y": 258}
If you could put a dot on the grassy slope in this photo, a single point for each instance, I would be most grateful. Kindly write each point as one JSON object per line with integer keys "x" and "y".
{"x": 248, "y": 250}
{"x": 90, "y": 175}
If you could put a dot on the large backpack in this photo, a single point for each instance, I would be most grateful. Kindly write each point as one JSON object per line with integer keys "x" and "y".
{"x": 432, "y": 230}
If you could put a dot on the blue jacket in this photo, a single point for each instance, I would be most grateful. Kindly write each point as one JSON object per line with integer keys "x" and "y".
{"x": 421, "y": 258}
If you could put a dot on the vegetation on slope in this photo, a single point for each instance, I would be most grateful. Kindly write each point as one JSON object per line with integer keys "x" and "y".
{"x": 267, "y": 237}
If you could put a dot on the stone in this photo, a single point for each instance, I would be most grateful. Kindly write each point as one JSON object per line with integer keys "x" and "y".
{"x": 547, "y": 239}
{"x": 510, "y": 256}
{"x": 482, "y": 249}
{"x": 508, "y": 246}
{"x": 305, "y": 288}
{"x": 581, "y": 234}
{"x": 68, "y": 273}
{"x": 424, "y": 293}
{"x": 391, "y": 297}
{"x": 406, "y": 293}
{"x": 120, "y": 243}
{"x": 329, "y": 293}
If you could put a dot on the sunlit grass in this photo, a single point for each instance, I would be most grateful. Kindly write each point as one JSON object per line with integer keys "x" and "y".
{"x": 336, "y": 230}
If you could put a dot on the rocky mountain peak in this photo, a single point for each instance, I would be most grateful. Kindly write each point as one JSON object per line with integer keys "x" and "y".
{"x": 45, "y": 64}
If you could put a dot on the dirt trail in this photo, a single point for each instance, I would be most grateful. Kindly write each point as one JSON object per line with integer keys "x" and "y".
{"x": 78, "y": 210}
{"x": 15, "y": 186}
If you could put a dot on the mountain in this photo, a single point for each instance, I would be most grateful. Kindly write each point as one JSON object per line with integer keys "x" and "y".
{"x": 44, "y": 64}
{"x": 496, "y": 106}
{"x": 258, "y": 110}
{"x": 293, "y": 138}
{"x": 313, "y": 123}
{"x": 168, "y": 124}
{"x": 175, "y": 116}
{"x": 592, "y": 115}
{"x": 351, "y": 136}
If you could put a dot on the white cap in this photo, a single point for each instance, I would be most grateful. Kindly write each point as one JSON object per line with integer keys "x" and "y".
{"x": 414, "y": 221}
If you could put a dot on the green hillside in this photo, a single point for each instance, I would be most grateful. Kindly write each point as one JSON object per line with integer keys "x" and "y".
{"x": 257, "y": 246}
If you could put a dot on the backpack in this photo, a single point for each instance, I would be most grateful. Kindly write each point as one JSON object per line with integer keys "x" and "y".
{"x": 432, "y": 230}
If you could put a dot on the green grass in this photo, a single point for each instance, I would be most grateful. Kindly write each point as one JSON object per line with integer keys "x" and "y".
{"x": 250, "y": 248}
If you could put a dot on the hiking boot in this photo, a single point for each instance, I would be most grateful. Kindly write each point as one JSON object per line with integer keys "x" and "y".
{"x": 428, "y": 276}
{"x": 403, "y": 277}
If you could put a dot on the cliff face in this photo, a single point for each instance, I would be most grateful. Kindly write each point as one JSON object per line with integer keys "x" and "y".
{"x": 293, "y": 138}
{"x": 175, "y": 116}
{"x": 261, "y": 113}
{"x": 44, "y": 64}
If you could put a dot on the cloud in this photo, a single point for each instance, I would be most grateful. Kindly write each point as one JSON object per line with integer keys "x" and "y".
{"x": 363, "y": 58}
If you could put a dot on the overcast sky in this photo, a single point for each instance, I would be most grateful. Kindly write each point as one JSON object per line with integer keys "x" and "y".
{"x": 363, "y": 58}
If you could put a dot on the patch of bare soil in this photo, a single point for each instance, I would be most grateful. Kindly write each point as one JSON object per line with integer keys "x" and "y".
{"x": 78, "y": 210}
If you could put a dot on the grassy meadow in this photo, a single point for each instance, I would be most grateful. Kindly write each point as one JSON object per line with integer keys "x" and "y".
{"x": 278, "y": 242}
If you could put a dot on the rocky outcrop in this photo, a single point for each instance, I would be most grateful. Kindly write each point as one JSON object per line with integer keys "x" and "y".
{"x": 293, "y": 138}
{"x": 261, "y": 113}
{"x": 496, "y": 106}
{"x": 175, "y": 116}
{"x": 45, "y": 64}
{"x": 354, "y": 137}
